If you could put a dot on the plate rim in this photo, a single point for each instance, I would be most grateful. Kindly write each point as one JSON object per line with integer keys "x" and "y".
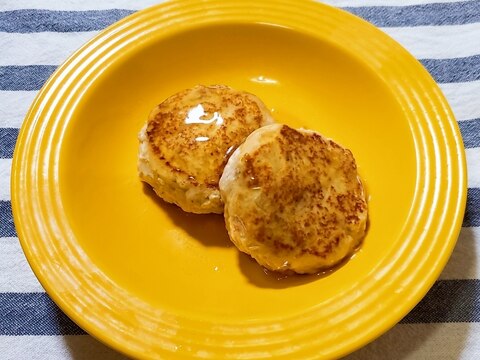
{"x": 224, "y": 11}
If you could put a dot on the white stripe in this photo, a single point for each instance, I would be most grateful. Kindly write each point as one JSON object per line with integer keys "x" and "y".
{"x": 438, "y": 42}
{"x": 45, "y": 48}
{"x": 473, "y": 166}
{"x": 463, "y": 263}
{"x": 472, "y": 156}
{"x": 16, "y": 274}
{"x": 56, "y": 348}
{"x": 5, "y": 170}
{"x": 53, "y": 48}
{"x": 14, "y": 107}
{"x": 463, "y": 98}
{"x": 460, "y": 341}
{"x": 78, "y": 4}
{"x": 455, "y": 341}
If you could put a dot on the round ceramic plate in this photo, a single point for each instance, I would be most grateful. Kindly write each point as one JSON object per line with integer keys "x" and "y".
{"x": 155, "y": 282}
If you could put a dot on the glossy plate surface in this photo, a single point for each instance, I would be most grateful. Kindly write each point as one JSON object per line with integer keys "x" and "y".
{"x": 154, "y": 282}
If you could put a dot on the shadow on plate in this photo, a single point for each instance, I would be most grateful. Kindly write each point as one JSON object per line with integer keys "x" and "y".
{"x": 261, "y": 277}
{"x": 209, "y": 229}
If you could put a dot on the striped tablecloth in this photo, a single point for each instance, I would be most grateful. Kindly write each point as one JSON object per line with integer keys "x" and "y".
{"x": 37, "y": 35}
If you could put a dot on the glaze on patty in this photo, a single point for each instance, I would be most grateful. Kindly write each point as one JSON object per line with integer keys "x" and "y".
{"x": 188, "y": 139}
{"x": 293, "y": 200}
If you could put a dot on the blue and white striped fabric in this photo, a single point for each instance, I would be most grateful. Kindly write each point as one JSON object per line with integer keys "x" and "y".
{"x": 37, "y": 35}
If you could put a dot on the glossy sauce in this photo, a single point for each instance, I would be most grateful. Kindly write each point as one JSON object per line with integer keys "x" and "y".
{"x": 195, "y": 131}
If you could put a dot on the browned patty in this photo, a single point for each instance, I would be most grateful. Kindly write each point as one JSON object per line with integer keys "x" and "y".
{"x": 293, "y": 200}
{"x": 188, "y": 139}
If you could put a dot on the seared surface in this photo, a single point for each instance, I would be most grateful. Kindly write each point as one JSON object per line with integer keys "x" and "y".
{"x": 293, "y": 200}
{"x": 188, "y": 139}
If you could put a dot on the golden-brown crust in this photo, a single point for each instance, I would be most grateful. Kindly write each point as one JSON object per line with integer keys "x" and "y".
{"x": 192, "y": 134}
{"x": 173, "y": 140}
{"x": 302, "y": 204}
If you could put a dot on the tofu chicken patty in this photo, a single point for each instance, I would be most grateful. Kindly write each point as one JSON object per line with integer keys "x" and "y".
{"x": 293, "y": 200}
{"x": 188, "y": 139}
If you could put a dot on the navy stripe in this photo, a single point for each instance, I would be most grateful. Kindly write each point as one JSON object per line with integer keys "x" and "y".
{"x": 32, "y": 77}
{"x": 454, "y": 70}
{"x": 20, "y": 21}
{"x": 8, "y": 138}
{"x": 455, "y": 13}
{"x": 471, "y": 218}
{"x": 7, "y": 227}
{"x": 32, "y": 20}
{"x": 472, "y": 213}
{"x": 470, "y": 130}
{"x": 448, "y": 301}
{"x": 33, "y": 314}
{"x": 28, "y": 78}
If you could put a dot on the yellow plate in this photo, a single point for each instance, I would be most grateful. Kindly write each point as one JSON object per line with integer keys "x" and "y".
{"x": 154, "y": 282}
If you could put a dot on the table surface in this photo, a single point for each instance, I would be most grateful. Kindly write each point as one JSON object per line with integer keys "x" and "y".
{"x": 37, "y": 35}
